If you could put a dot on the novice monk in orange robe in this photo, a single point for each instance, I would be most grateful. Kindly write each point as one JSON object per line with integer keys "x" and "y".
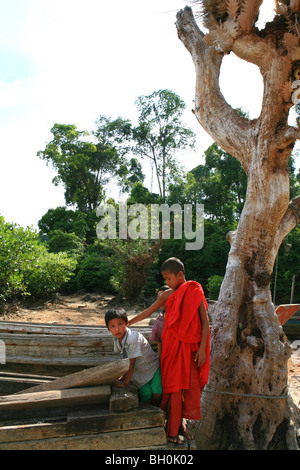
{"x": 185, "y": 355}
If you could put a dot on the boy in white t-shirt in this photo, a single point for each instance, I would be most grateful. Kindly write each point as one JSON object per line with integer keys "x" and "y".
{"x": 144, "y": 369}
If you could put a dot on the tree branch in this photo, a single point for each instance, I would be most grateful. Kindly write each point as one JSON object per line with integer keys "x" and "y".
{"x": 287, "y": 137}
{"x": 231, "y": 131}
{"x": 252, "y": 48}
{"x": 289, "y": 221}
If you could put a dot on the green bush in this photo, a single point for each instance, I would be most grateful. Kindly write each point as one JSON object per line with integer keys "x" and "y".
{"x": 26, "y": 267}
{"x": 60, "y": 241}
{"x": 48, "y": 273}
{"x": 94, "y": 273}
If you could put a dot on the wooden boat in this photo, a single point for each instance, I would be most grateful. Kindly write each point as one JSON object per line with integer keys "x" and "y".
{"x": 37, "y": 349}
{"x": 289, "y": 318}
{"x": 285, "y": 312}
{"x": 31, "y": 328}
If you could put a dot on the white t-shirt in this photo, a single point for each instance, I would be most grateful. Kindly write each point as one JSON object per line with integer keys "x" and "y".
{"x": 135, "y": 345}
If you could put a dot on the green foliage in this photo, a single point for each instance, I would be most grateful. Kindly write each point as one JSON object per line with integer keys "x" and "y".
{"x": 214, "y": 285}
{"x": 95, "y": 272}
{"x": 200, "y": 265}
{"x": 136, "y": 175}
{"x": 69, "y": 221}
{"x": 223, "y": 185}
{"x": 86, "y": 164}
{"x": 160, "y": 134}
{"x": 83, "y": 167}
{"x": 47, "y": 273}
{"x": 288, "y": 264}
{"x": 141, "y": 195}
{"x": 294, "y": 179}
{"x": 65, "y": 220}
{"x": 132, "y": 259}
{"x": 27, "y": 268}
{"x": 186, "y": 190}
{"x": 12, "y": 243}
{"x": 65, "y": 242}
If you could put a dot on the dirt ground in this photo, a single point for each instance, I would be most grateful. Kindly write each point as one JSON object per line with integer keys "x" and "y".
{"x": 89, "y": 309}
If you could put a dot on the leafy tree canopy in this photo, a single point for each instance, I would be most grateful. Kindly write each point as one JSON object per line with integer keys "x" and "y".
{"x": 160, "y": 134}
{"x": 83, "y": 167}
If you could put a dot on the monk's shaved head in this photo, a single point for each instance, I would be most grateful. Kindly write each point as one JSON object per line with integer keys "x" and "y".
{"x": 172, "y": 265}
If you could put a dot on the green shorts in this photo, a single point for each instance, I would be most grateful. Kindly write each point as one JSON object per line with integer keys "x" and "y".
{"x": 153, "y": 386}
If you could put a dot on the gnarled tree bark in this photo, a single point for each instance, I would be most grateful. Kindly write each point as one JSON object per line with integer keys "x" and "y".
{"x": 245, "y": 404}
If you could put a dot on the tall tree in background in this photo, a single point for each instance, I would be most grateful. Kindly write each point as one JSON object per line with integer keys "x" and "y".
{"x": 249, "y": 350}
{"x": 83, "y": 167}
{"x": 160, "y": 134}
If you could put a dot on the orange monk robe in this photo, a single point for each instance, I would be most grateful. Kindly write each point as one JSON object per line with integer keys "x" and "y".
{"x": 180, "y": 340}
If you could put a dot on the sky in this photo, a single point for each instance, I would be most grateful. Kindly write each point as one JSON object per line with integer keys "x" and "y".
{"x": 68, "y": 61}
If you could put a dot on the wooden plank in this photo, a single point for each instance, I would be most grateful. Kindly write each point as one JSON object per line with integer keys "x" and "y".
{"x": 43, "y": 414}
{"x": 21, "y": 342}
{"x": 32, "y": 431}
{"x": 84, "y": 422}
{"x": 48, "y": 329}
{"x": 104, "y": 374}
{"x": 99, "y": 394}
{"x": 15, "y": 375}
{"x": 40, "y": 369}
{"x": 118, "y": 440}
{"x": 52, "y": 362}
{"x": 60, "y": 329}
{"x": 124, "y": 399}
{"x": 57, "y": 370}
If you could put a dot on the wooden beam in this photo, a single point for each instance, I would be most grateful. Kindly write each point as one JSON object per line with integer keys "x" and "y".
{"x": 27, "y": 432}
{"x": 102, "y": 441}
{"x": 84, "y": 422}
{"x": 124, "y": 399}
{"x": 87, "y": 395}
{"x": 104, "y": 374}
{"x": 42, "y": 414}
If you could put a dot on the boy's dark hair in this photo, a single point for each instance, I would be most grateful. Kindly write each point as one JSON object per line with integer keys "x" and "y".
{"x": 163, "y": 288}
{"x": 116, "y": 312}
{"x": 173, "y": 265}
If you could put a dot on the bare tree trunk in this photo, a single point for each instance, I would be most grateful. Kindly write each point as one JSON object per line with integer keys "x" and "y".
{"x": 245, "y": 404}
